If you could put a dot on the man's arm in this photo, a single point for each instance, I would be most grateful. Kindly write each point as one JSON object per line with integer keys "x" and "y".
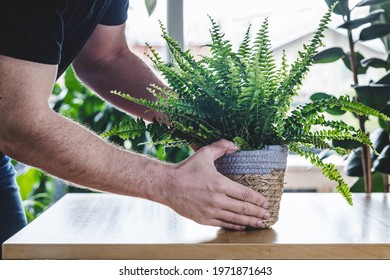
{"x": 106, "y": 63}
{"x": 32, "y": 133}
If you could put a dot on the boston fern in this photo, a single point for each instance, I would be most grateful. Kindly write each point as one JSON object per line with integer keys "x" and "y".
{"x": 244, "y": 97}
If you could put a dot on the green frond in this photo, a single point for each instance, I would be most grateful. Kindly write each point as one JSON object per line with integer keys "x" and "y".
{"x": 234, "y": 81}
{"x": 184, "y": 59}
{"x": 299, "y": 124}
{"x": 283, "y": 70}
{"x": 328, "y": 169}
{"x": 219, "y": 44}
{"x": 127, "y": 130}
{"x": 167, "y": 143}
{"x": 360, "y": 109}
{"x": 147, "y": 103}
{"x": 244, "y": 51}
{"x": 263, "y": 53}
{"x": 319, "y": 142}
{"x": 154, "y": 57}
{"x": 220, "y": 63}
{"x": 287, "y": 88}
{"x": 242, "y": 144}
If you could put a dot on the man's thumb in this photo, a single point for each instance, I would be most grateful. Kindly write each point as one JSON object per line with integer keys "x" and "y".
{"x": 222, "y": 147}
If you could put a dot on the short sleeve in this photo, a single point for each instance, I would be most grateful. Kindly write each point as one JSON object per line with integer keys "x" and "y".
{"x": 31, "y": 32}
{"x": 116, "y": 13}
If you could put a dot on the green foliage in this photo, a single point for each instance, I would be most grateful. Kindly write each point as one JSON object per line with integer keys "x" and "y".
{"x": 36, "y": 189}
{"x": 150, "y": 6}
{"x": 352, "y": 24}
{"x": 340, "y": 7}
{"x": 376, "y": 24}
{"x": 374, "y": 31}
{"x": 245, "y": 97}
{"x": 328, "y": 169}
{"x": 329, "y": 55}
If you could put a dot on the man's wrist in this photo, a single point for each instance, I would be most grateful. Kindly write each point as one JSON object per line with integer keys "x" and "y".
{"x": 164, "y": 179}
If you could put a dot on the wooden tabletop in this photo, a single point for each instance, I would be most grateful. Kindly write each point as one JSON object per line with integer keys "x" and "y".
{"x": 104, "y": 226}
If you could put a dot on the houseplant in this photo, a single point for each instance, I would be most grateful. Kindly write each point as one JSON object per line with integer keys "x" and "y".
{"x": 361, "y": 27}
{"x": 244, "y": 97}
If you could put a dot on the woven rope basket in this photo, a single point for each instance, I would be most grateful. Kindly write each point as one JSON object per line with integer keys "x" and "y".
{"x": 261, "y": 170}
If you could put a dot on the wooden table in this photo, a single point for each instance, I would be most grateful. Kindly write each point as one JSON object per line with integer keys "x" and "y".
{"x": 103, "y": 226}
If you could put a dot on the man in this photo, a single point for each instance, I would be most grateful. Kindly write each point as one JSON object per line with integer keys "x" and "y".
{"x": 38, "y": 42}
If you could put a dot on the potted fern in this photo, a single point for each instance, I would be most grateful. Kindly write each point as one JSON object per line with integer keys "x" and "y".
{"x": 244, "y": 97}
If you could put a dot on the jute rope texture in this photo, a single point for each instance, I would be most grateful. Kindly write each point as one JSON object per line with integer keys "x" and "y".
{"x": 270, "y": 185}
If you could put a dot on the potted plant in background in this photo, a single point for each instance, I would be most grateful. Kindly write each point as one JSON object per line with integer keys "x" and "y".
{"x": 244, "y": 97}
{"x": 362, "y": 161}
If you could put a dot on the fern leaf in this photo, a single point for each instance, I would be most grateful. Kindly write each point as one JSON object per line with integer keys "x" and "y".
{"x": 328, "y": 169}
{"x": 288, "y": 88}
{"x": 129, "y": 129}
{"x": 360, "y": 109}
{"x": 263, "y": 53}
{"x": 244, "y": 51}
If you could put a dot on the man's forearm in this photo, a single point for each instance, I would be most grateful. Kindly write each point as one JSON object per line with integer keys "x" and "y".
{"x": 67, "y": 150}
{"x": 124, "y": 72}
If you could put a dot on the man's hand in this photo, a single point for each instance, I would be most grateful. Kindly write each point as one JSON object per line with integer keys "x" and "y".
{"x": 197, "y": 191}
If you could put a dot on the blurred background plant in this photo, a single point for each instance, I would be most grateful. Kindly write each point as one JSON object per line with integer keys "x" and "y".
{"x": 150, "y": 6}
{"x": 363, "y": 162}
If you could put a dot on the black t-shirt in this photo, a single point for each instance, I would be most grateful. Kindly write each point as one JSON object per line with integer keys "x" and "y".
{"x": 53, "y": 32}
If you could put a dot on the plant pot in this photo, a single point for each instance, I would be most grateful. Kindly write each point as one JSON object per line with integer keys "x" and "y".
{"x": 261, "y": 170}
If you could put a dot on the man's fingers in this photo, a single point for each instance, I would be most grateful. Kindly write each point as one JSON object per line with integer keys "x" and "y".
{"x": 220, "y": 148}
{"x": 246, "y": 194}
{"x": 246, "y": 208}
{"x": 230, "y": 218}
